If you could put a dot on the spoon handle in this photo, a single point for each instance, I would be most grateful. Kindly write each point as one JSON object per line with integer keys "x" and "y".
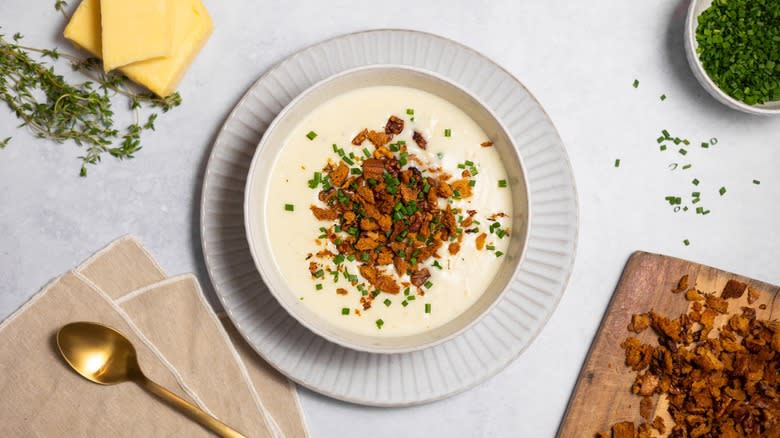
{"x": 189, "y": 409}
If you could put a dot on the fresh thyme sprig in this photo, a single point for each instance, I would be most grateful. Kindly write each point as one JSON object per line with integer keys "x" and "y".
{"x": 59, "y": 111}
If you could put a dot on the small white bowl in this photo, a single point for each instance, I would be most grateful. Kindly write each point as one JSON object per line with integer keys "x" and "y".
{"x": 270, "y": 146}
{"x": 694, "y": 10}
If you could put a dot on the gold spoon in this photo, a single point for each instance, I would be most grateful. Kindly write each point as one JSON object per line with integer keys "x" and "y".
{"x": 103, "y": 355}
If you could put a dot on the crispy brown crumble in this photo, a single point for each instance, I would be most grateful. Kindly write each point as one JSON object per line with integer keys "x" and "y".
{"x": 722, "y": 385}
{"x": 392, "y": 215}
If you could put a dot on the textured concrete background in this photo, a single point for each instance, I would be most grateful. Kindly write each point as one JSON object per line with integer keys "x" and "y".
{"x": 578, "y": 58}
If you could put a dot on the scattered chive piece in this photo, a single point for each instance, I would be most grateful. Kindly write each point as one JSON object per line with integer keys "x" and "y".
{"x": 428, "y": 284}
{"x": 617, "y": 162}
{"x": 345, "y": 310}
{"x": 686, "y": 142}
{"x": 490, "y": 247}
{"x": 663, "y": 147}
{"x": 660, "y": 139}
{"x": 311, "y": 135}
{"x": 695, "y": 194}
{"x": 439, "y": 155}
{"x": 404, "y": 303}
{"x": 366, "y": 153}
{"x": 499, "y": 253}
{"x": 318, "y": 286}
{"x": 379, "y": 323}
{"x": 289, "y": 207}
{"x": 663, "y": 97}
{"x": 687, "y": 166}
{"x": 472, "y": 183}
{"x": 502, "y": 183}
{"x": 695, "y": 182}
{"x": 705, "y": 145}
{"x": 387, "y": 302}
{"x": 756, "y": 182}
{"x": 448, "y": 132}
{"x": 411, "y": 298}
{"x": 636, "y": 83}
{"x": 666, "y": 134}
{"x": 722, "y": 191}
{"x": 713, "y": 141}
{"x": 686, "y": 242}
{"x": 319, "y": 273}
{"x": 410, "y": 111}
{"x": 682, "y": 151}
{"x": 427, "y": 307}
{"x": 435, "y": 264}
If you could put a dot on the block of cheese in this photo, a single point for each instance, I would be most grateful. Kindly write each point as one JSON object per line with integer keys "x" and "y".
{"x": 192, "y": 27}
{"x": 135, "y": 30}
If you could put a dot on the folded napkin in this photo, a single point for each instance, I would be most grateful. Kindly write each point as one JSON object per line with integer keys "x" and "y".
{"x": 181, "y": 344}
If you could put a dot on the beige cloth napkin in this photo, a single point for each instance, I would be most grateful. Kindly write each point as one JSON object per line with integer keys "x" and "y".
{"x": 181, "y": 344}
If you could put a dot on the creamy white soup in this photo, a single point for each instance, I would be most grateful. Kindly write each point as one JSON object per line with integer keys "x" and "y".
{"x": 333, "y": 244}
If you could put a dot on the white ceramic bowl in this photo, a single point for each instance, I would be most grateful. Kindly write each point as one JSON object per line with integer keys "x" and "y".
{"x": 692, "y": 21}
{"x": 273, "y": 141}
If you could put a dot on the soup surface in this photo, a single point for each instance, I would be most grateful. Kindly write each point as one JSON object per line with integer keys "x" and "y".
{"x": 335, "y": 259}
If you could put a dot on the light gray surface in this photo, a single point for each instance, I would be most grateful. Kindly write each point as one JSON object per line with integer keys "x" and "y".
{"x": 578, "y": 58}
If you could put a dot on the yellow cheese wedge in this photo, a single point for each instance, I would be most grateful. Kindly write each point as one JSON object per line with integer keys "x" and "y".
{"x": 135, "y": 30}
{"x": 192, "y": 27}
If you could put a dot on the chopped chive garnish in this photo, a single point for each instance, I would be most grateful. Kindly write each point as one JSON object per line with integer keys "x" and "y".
{"x": 404, "y": 303}
{"x": 387, "y": 302}
{"x": 436, "y": 264}
{"x": 406, "y": 291}
{"x": 686, "y": 242}
{"x": 472, "y": 183}
{"x": 705, "y": 145}
{"x": 695, "y": 182}
{"x": 289, "y": 207}
{"x": 366, "y": 153}
{"x": 410, "y": 111}
{"x": 499, "y": 253}
{"x": 448, "y": 132}
{"x": 713, "y": 141}
{"x": 356, "y": 171}
{"x": 379, "y": 323}
{"x": 663, "y": 147}
{"x": 311, "y": 135}
{"x": 682, "y": 151}
{"x": 411, "y": 298}
{"x": 617, "y": 162}
{"x": 663, "y": 97}
{"x": 666, "y": 134}
{"x": 660, "y": 139}
{"x": 722, "y": 191}
{"x": 345, "y": 310}
{"x": 319, "y": 273}
{"x": 427, "y": 307}
{"x": 756, "y": 182}
{"x": 686, "y": 142}
{"x": 428, "y": 284}
{"x": 687, "y": 166}
{"x": 439, "y": 155}
{"x": 318, "y": 286}
{"x": 490, "y": 248}
{"x": 636, "y": 83}
{"x": 502, "y": 183}
{"x": 695, "y": 194}
{"x": 339, "y": 259}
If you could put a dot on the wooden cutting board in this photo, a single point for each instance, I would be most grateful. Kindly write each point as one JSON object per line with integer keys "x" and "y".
{"x": 602, "y": 393}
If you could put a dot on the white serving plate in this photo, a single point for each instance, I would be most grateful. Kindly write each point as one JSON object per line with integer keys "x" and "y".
{"x": 406, "y": 378}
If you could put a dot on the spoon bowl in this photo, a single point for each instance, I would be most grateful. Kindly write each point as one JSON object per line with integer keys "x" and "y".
{"x": 103, "y": 355}
{"x": 99, "y": 353}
